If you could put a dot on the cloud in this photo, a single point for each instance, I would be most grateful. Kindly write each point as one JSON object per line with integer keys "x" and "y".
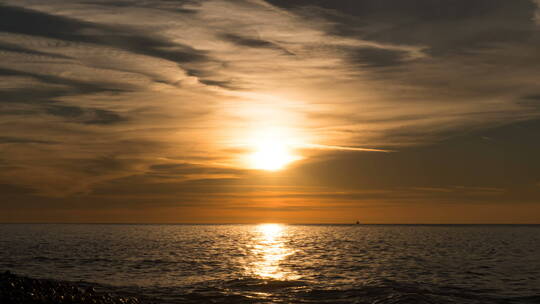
{"x": 58, "y": 86}
{"x": 8, "y": 47}
{"x": 253, "y": 42}
{"x": 101, "y": 96}
{"x": 8, "y": 190}
{"x": 373, "y": 57}
{"x": 85, "y": 115}
{"x": 19, "y": 140}
{"x": 341, "y": 148}
{"x": 537, "y": 13}
{"x": 17, "y": 20}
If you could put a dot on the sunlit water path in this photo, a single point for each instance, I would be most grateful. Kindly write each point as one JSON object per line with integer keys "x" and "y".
{"x": 274, "y": 263}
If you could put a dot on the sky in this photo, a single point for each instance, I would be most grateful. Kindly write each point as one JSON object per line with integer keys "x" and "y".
{"x": 246, "y": 111}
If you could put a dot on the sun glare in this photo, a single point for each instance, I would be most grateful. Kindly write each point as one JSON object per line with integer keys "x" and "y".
{"x": 271, "y": 155}
{"x": 269, "y": 148}
{"x": 270, "y": 231}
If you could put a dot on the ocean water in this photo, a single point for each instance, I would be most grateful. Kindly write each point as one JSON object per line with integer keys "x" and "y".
{"x": 272, "y": 263}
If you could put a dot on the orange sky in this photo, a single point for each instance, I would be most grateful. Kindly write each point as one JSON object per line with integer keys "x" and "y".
{"x": 282, "y": 111}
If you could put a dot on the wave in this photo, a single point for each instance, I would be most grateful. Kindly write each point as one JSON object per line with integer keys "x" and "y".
{"x": 252, "y": 290}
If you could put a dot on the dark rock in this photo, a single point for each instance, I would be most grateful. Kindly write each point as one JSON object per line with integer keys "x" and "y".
{"x": 21, "y": 290}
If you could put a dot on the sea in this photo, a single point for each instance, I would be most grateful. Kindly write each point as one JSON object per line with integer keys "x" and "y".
{"x": 277, "y": 263}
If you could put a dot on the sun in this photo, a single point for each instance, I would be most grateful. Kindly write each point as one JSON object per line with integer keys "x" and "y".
{"x": 271, "y": 155}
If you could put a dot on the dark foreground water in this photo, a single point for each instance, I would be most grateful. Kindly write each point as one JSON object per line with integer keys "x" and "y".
{"x": 286, "y": 263}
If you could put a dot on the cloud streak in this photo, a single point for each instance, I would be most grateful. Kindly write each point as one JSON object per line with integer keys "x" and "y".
{"x": 169, "y": 92}
{"x": 340, "y": 148}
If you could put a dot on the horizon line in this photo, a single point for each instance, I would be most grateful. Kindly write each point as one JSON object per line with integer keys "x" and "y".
{"x": 262, "y": 223}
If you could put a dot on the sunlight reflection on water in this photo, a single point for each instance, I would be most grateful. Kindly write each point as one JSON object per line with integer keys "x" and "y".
{"x": 275, "y": 263}
{"x": 269, "y": 251}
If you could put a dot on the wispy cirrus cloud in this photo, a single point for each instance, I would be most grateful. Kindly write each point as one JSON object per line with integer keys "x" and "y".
{"x": 174, "y": 91}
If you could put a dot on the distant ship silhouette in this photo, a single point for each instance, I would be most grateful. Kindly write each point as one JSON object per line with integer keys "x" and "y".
{"x": 357, "y": 222}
